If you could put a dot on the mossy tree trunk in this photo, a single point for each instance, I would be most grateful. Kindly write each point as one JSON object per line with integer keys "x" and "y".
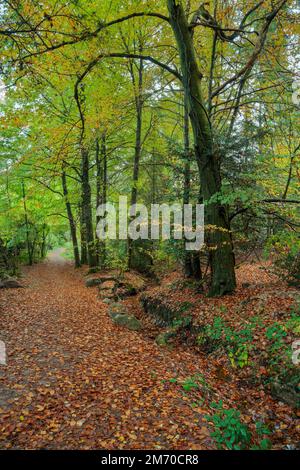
{"x": 101, "y": 192}
{"x": 138, "y": 149}
{"x": 192, "y": 265}
{"x": 30, "y": 250}
{"x": 71, "y": 219}
{"x": 83, "y": 248}
{"x": 216, "y": 215}
{"x": 87, "y": 207}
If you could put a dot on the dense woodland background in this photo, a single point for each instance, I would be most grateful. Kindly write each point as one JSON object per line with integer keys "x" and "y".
{"x": 162, "y": 101}
{"x": 94, "y": 107}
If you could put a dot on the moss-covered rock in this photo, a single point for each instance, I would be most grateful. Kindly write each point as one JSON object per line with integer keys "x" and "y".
{"x": 92, "y": 282}
{"x": 10, "y": 284}
{"x": 119, "y": 315}
{"x": 164, "y": 312}
{"x": 128, "y": 321}
{"x": 286, "y": 387}
{"x": 93, "y": 270}
{"x": 287, "y": 392}
{"x": 117, "y": 285}
{"x": 163, "y": 338}
{"x": 116, "y": 308}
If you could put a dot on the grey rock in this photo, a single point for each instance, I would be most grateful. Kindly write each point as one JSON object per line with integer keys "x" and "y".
{"x": 286, "y": 393}
{"x": 10, "y": 284}
{"x": 119, "y": 315}
{"x": 93, "y": 270}
{"x": 92, "y": 282}
{"x": 116, "y": 308}
{"x": 128, "y": 321}
{"x": 108, "y": 285}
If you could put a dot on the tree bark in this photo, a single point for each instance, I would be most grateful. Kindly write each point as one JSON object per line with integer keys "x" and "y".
{"x": 4, "y": 256}
{"x": 87, "y": 207}
{"x": 71, "y": 220}
{"x": 28, "y": 244}
{"x": 138, "y": 146}
{"x": 216, "y": 215}
{"x": 188, "y": 268}
{"x": 87, "y": 234}
{"x": 101, "y": 191}
{"x": 83, "y": 247}
{"x": 43, "y": 244}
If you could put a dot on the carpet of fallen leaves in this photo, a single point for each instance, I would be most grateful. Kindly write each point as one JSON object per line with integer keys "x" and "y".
{"x": 260, "y": 293}
{"x": 75, "y": 380}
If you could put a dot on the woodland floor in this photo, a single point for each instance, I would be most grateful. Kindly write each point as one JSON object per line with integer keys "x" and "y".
{"x": 76, "y": 380}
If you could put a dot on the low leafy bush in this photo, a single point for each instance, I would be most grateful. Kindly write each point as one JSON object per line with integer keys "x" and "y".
{"x": 237, "y": 343}
{"x": 284, "y": 377}
{"x": 285, "y": 250}
{"x": 231, "y": 433}
{"x": 190, "y": 384}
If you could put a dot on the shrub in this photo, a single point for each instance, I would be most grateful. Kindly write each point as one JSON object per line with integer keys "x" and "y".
{"x": 231, "y": 433}
{"x": 237, "y": 343}
{"x": 284, "y": 247}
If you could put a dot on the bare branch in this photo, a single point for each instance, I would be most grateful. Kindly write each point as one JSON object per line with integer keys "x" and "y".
{"x": 257, "y": 49}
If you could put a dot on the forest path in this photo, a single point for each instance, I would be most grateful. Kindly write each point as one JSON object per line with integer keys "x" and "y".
{"x": 75, "y": 380}
{"x": 56, "y": 256}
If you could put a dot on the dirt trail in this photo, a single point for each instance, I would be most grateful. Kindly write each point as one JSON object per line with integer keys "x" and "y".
{"x": 75, "y": 380}
{"x": 56, "y": 256}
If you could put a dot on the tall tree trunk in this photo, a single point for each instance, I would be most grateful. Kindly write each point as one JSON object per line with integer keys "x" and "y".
{"x": 101, "y": 191}
{"x": 188, "y": 268}
{"x": 83, "y": 247}
{"x": 153, "y": 178}
{"x": 216, "y": 215}
{"x": 192, "y": 264}
{"x": 4, "y": 259}
{"x": 86, "y": 229}
{"x": 29, "y": 249}
{"x": 71, "y": 220}
{"x": 87, "y": 207}
{"x": 104, "y": 159}
{"x": 98, "y": 198}
{"x": 138, "y": 147}
{"x": 43, "y": 242}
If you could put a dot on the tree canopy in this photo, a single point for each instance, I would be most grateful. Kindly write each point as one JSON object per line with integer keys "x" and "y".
{"x": 163, "y": 101}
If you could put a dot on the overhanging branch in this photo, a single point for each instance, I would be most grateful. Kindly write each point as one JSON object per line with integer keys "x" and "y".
{"x": 282, "y": 201}
{"x": 123, "y": 55}
{"x": 85, "y": 35}
{"x": 257, "y": 49}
